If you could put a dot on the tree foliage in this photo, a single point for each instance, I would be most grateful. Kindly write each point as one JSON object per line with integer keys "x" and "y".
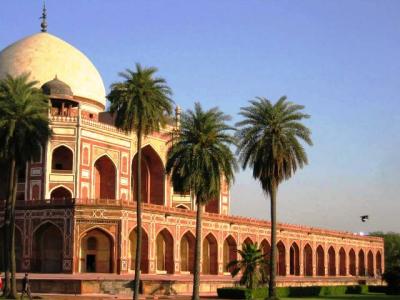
{"x": 252, "y": 266}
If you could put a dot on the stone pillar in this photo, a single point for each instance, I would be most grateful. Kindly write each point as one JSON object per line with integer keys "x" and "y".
{"x": 357, "y": 263}
{"x": 337, "y": 262}
{"x": 326, "y": 261}
{"x": 287, "y": 259}
{"x": 301, "y": 259}
{"x": 220, "y": 257}
{"x": 314, "y": 261}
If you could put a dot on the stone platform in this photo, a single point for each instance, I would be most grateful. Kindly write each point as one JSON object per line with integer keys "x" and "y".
{"x": 113, "y": 284}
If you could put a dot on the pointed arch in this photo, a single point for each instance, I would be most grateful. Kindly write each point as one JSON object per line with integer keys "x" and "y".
{"x": 308, "y": 260}
{"x": 352, "y": 262}
{"x": 152, "y": 176}
{"x": 144, "y": 259}
{"x": 320, "y": 259}
{"x": 62, "y": 159}
{"x": 331, "y": 261}
{"x": 361, "y": 263}
{"x": 60, "y": 193}
{"x": 165, "y": 251}
{"x": 210, "y": 255}
{"x": 230, "y": 251}
{"x": 187, "y": 248}
{"x": 47, "y": 248}
{"x": 248, "y": 241}
{"x": 266, "y": 250}
{"x": 281, "y": 259}
{"x": 342, "y": 262}
{"x": 379, "y": 263}
{"x": 370, "y": 264}
{"x": 105, "y": 177}
{"x": 96, "y": 251}
{"x": 294, "y": 259}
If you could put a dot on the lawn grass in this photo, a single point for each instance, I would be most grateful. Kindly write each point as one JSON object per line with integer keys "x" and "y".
{"x": 369, "y": 296}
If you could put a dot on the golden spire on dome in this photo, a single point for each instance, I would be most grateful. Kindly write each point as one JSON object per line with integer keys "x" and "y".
{"x": 43, "y": 25}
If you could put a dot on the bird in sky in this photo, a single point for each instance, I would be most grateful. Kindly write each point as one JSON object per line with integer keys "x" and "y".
{"x": 364, "y": 218}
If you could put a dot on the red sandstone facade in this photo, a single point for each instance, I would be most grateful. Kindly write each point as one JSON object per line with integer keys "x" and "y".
{"x": 76, "y": 210}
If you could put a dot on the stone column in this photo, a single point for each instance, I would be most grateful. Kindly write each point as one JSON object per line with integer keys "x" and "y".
{"x": 287, "y": 259}
{"x": 357, "y": 263}
{"x": 301, "y": 259}
{"x": 337, "y": 262}
{"x": 326, "y": 260}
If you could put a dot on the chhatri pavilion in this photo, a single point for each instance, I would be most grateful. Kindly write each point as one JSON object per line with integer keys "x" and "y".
{"x": 76, "y": 209}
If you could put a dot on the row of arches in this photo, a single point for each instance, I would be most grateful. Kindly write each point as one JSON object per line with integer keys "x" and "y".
{"x": 97, "y": 254}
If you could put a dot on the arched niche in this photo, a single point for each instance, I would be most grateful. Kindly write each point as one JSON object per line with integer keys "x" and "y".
{"x": 370, "y": 263}
{"x": 331, "y": 261}
{"x": 152, "y": 176}
{"x": 60, "y": 193}
{"x": 352, "y": 262}
{"x": 62, "y": 159}
{"x": 320, "y": 260}
{"x": 361, "y": 263}
{"x": 187, "y": 248}
{"x": 230, "y": 252}
{"x": 266, "y": 251}
{"x": 342, "y": 262}
{"x": 144, "y": 258}
{"x": 47, "y": 249}
{"x": 308, "y": 260}
{"x": 379, "y": 263}
{"x": 281, "y": 259}
{"x": 210, "y": 255}
{"x": 96, "y": 252}
{"x": 165, "y": 252}
{"x": 104, "y": 178}
{"x": 294, "y": 259}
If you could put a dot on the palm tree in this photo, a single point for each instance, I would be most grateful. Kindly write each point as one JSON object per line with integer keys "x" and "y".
{"x": 24, "y": 130}
{"x": 252, "y": 265}
{"x": 199, "y": 159}
{"x": 269, "y": 142}
{"x": 141, "y": 103}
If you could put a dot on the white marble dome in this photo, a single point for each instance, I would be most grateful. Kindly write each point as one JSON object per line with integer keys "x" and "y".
{"x": 45, "y": 56}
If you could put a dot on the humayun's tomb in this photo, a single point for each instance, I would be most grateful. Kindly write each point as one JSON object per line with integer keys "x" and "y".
{"x": 75, "y": 204}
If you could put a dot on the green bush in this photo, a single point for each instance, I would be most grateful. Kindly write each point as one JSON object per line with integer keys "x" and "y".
{"x": 294, "y": 291}
{"x": 357, "y": 289}
{"x": 392, "y": 277}
{"x": 377, "y": 289}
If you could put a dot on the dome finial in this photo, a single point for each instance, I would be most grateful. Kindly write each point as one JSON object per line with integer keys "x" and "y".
{"x": 43, "y": 25}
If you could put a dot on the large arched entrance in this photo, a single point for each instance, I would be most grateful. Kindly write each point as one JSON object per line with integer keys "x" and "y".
{"x": 104, "y": 178}
{"x": 60, "y": 193}
{"x": 230, "y": 252}
{"x": 352, "y": 262}
{"x": 187, "y": 252}
{"x": 210, "y": 255}
{"x": 47, "y": 249}
{"x": 96, "y": 253}
{"x": 342, "y": 262}
{"x": 361, "y": 263}
{"x": 281, "y": 259}
{"x": 294, "y": 260}
{"x": 165, "y": 252}
{"x": 62, "y": 159}
{"x": 370, "y": 264}
{"x": 331, "y": 262}
{"x": 144, "y": 260}
{"x": 152, "y": 176}
{"x": 320, "y": 261}
{"x": 308, "y": 261}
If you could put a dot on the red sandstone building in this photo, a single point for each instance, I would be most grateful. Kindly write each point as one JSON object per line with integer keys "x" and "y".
{"x": 76, "y": 213}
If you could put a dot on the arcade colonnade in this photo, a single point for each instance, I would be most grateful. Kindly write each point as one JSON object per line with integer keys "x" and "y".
{"x": 92, "y": 239}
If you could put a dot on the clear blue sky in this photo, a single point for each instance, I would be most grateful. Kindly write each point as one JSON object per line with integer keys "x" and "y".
{"x": 340, "y": 58}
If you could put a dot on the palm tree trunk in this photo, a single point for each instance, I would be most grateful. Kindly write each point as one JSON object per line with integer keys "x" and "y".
{"x": 13, "y": 291}
{"x": 138, "y": 215}
{"x": 7, "y": 226}
{"x": 197, "y": 253}
{"x": 272, "y": 267}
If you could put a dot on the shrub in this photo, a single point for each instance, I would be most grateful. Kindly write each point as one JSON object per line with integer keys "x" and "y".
{"x": 377, "y": 289}
{"x": 357, "y": 289}
{"x": 392, "y": 277}
{"x": 234, "y": 293}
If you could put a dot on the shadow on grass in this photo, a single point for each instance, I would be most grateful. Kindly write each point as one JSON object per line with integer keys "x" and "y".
{"x": 353, "y": 297}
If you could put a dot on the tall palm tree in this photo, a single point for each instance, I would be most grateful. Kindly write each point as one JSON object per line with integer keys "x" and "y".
{"x": 269, "y": 142}
{"x": 199, "y": 160}
{"x": 252, "y": 265}
{"x": 24, "y": 129}
{"x": 141, "y": 103}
